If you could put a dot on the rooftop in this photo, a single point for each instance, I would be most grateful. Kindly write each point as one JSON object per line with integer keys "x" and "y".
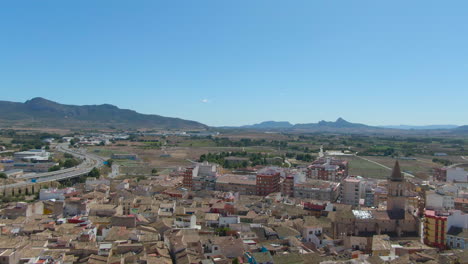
{"x": 237, "y": 179}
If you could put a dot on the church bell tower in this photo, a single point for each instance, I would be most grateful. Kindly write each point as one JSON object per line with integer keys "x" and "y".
{"x": 396, "y": 198}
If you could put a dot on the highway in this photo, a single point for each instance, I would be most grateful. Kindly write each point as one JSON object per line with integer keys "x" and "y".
{"x": 459, "y": 164}
{"x": 89, "y": 162}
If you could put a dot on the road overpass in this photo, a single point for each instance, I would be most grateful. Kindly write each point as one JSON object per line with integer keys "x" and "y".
{"x": 27, "y": 186}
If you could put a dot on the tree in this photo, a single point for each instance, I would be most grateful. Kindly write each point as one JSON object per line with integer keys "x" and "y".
{"x": 222, "y": 231}
{"x": 70, "y": 163}
{"x": 235, "y": 261}
{"x": 110, "y": 162}
{"x": 94, "y": 173}
{"x": 154, "y": 171}
{"x": 55, "y": 168}
{"x": 3, "y": 175}
{"x": 141, "y": 177}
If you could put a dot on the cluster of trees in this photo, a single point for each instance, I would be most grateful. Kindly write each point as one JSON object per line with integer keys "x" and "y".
{"x": 68, "y": 163}
{"x": 300, "y": 156}
{"x": 379, "y": 151}
{"x": 73, "y": 141}
{"x": 254, "y": 159}
{"x": 94, "y": 173}
{"x": 442, "y": 161}
{"x": 27, "y": 140}
{"x": 247, "y": 142}
{"x": 109, "y": 163}
{"x": 222, "y": 231}
{"x": 303, "y": 149}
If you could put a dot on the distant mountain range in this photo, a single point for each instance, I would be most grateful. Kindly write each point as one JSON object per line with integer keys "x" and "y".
{"x": 422, "y": 127}
{"x": 341, "y": 125}
{"x": 270, "y": 125}
{"x": 40, "y": 112}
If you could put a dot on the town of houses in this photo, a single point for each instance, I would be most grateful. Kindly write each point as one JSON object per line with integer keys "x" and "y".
{"x": 204, "y": 215}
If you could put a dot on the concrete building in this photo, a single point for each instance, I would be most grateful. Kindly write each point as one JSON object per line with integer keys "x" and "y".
{"x": 225, "y": 221}
{"x": 287, "y": 186}
{"x": 76, "y": 206}
{"x": 439, "y": 201}
{"x": 440, "y": 174}
{"x": 457, "y": 218}
{"x": 9, "y": 256}
{"x": 268, "y": 181}
{"x": 29, "y": 166}
{"x": 352, "y": 190}
{"x": 381, "y": 245}
{"x": 457, "y": 226}
{"x": 129, "y": 221}
{"x": 32, "y": 155}
{"x": 457, "y": 238}
{"x": 314, "y": 228}
{"x": 435, "y": 228}
{"x": 369, "y": 197}
{"x": 317, "y": 190}
{"x": 54, "y": 193}
{"x": 243, "y": 184}
{"x": 201, "y": 176}
{"x": 461, "y": 204}
{"x": 395, "y": 221}
{"x": 328, "y": 169}
{"x": 457, "y": 175}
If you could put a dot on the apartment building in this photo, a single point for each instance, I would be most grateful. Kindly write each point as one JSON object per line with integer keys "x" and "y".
{"x": 268, "y": 181}
{"x": 201, "y": 176}
{"x": 435, "y": 228}
{"x": 352, "y": 190}
{"x": 328, "y": 169}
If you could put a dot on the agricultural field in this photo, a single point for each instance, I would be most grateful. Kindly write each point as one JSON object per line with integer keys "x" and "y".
{"x": 421, "y": 168}
{"x": 364, "y": 168}
{"x": 173, "y": 151}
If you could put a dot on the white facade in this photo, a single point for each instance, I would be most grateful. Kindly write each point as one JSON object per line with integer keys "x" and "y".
{"x": 52, "y": 193}
{"x": 225, "y": 221}
{"x": 187, "y": 223}
{"x": 436, "y": 201}
{"x": 458, "y": 219}
{"x": 457, "y": 174}
{"x": 352, "y": 189}
{"x": 33, "y": 154}
{"x": 310, "y": 234}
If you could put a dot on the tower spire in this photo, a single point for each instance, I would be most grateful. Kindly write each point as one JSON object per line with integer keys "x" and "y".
{"x": 396, "y": 172}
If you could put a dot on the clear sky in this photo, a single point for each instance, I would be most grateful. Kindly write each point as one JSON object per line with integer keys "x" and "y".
{"x": 243, "y": 61}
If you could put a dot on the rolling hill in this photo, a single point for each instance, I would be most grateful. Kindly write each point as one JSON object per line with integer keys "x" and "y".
{"x": 40, "y": 112}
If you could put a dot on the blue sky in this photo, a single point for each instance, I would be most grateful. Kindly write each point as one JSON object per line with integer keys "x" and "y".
{"x": 242, "y": 62}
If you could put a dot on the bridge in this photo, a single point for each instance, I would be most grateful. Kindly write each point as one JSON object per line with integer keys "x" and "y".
{"x": 34, "y": 182}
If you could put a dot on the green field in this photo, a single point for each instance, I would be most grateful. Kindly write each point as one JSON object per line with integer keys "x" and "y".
{"x": 5, "y": 140}
{"x": 367, "y": 169}
{"x": 197, "y": 143}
